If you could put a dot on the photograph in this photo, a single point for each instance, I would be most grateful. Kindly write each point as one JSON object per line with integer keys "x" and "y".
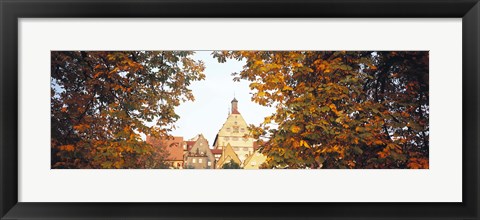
{"x": 232, "y": 109}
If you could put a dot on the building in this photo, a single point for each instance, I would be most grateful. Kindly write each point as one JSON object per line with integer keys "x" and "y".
{"x": 197, "y": 161}
{"x": 232, "y": 143}
{"x": 235, "y": 132}
{"x": 217, "y": 153}
{"x": 199, "y": 155}
{"x": 254, "y": 161}
{"x": 228, "y": 156}
{"x": 173, "y": 146}
{"x": 187, "y": 145}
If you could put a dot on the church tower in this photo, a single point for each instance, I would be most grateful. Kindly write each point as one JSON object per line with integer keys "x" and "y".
{"x": 234, "y": 106}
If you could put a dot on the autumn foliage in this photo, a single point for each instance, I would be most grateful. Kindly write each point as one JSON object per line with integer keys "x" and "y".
{"x": 334, "y": 109}
{"x": 340, "y": 109}
{"x": 102, "y": 101}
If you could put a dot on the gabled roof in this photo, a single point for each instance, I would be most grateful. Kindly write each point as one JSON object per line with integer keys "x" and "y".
{"x": 257, "y": 157}
{"x": 190, "y": 144}
{"x": 201, "y": 147}
{"x": 227, "y": 155}
{"x": 173, "y": 145}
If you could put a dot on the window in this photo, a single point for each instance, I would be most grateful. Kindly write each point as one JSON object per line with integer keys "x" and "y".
{"x": 227, "y": 138}
{"x": 194, "y": 160}
{"x": 235, "y": 129}
{"x": 228, "y": 129}
{"x": 200, "y": 160}
{"x": 235, "y": 123}
{"x": 209, "y": 163}
{"x": 245, "y": 149}
{"x": 235, "y": 138}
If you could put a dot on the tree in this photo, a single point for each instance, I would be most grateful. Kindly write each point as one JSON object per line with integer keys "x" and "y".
{"x": 339, "y": 109}
{"x": 231, "y": 165}
{"x": 102, "y": 101}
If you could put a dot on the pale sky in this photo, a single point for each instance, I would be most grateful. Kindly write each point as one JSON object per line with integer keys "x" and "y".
{"x": 213, "y": 95}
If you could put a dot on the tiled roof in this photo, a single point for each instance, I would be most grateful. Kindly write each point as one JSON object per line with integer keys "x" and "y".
{"x": 190, "y": 144}
{"x": 235, "y": 111}
{"x": 216, "y": 151}
{"x": 174, "y": 146}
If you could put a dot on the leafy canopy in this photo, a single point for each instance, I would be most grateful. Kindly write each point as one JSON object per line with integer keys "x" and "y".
{"x": 339, "y": 109}
{"x": 102, "y": 101}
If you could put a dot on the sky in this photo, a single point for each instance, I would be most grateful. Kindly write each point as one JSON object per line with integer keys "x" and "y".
{"x": 213, "y": 95}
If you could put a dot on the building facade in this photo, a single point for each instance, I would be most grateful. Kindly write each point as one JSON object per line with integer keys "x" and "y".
{"x": 235, "y": 132}
{"x": 199, "y": 156}
{"x": 232, "y": 144}
{"x": 254, "y": 161}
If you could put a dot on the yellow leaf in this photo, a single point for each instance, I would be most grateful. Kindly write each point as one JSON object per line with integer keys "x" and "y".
{"x": 333, "y": 107}
{"x": 304, "y": 143}
{"x": 258, "y": 62}
{"x": 287, "y": 88}
{"x": 295, "y": 129}
{"x": 267, "y": 120}
{"x": 119, "y": 164}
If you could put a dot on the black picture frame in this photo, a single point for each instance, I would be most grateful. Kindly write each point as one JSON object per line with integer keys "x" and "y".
{"x": 12, "y": 10}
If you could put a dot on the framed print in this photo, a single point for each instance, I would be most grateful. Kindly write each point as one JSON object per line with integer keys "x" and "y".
{"x": 260, "y": 110}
